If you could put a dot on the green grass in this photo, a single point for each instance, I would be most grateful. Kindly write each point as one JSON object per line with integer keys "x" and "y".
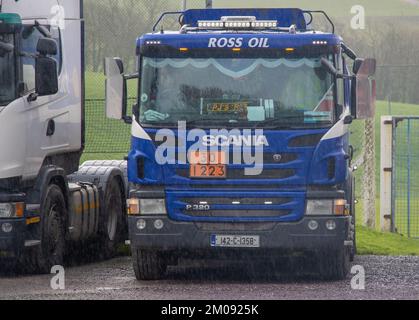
{"x": 340, "y": 8}
{"x": 377, "y": 243}
{"x": 95, "y": 86}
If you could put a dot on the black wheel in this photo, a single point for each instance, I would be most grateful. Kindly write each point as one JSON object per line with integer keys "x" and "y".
{"x": 111, "y": 228}
{"x": 52, "y": 230}
{"x": 334, "y": 264}
{"x": 148, "y": 265}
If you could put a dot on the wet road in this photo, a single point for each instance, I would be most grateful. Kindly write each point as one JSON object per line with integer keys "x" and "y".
{"x": 386, "y": 278}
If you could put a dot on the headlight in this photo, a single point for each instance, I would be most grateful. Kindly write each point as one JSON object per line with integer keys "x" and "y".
{"x": 152, "y": 206}
{"x": 319, "y": 207}
{"x": 326, "y": 207}
{"x": 146, "y": 206}
{"x": 12, "y": 210}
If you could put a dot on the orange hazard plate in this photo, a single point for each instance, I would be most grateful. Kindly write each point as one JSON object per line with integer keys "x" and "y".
{"x": 208, "y": 165}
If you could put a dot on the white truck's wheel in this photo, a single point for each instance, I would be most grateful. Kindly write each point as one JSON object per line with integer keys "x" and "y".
{"x": 52, "y": 228}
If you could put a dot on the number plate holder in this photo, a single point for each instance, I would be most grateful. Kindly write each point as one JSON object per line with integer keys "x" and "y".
{"x": 235, "y": 241}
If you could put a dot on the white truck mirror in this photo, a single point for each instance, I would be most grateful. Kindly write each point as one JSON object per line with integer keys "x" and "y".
{"x": 366, "y": 90}
{"x": 115, "y": 95}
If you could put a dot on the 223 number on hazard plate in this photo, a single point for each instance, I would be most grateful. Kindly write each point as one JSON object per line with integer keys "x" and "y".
{"x": 208, "y": 165}
{"x": 228, "y": 241}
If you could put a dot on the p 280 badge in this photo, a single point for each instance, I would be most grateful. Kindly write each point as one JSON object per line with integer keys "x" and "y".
{"x": 198, "y": 207}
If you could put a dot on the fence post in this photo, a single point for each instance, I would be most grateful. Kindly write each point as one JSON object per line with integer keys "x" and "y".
{"x": 386, "y": 172}
{"x": 369, "y": 198}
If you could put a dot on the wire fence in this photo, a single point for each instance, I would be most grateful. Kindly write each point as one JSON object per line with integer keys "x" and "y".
{"x": 405, "y": 184}
{"x": 103, "y": 135}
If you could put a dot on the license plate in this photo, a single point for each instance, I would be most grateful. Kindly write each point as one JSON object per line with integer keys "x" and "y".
{"x": 208, "y": 165}
{"x": 235, "y": 241}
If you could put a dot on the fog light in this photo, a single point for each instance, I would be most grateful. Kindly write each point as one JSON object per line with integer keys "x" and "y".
{"x": 313, "y": 225}
{"x": 7, "y": 227}
{"x": 141, "y": 224}
{"x": 158, "y": 224}
{"x": 331, "y": 225}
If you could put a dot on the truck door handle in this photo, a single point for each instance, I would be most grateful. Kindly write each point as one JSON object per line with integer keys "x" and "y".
{"x": 51, "y": 128}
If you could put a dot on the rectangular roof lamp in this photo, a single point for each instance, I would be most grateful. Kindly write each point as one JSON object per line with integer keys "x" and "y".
{"x": 237, "y": 22}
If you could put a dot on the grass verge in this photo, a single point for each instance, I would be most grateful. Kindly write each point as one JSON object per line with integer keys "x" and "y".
{"x": 372, "y": 242}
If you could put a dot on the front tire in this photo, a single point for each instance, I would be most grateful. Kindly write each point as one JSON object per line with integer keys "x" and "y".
{"x": 334, "y": 264}
{"x": 52, "y": 233}
{"x": 148, "y": 265}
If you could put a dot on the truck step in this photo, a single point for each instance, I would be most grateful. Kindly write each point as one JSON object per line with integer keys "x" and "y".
{"x": 32, "y": 243}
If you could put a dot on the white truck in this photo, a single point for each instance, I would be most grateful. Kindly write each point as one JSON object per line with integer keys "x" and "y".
{"x": 47, "y": 202}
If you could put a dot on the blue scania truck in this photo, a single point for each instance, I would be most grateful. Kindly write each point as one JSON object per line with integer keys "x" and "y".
{"x": 240, "y": 139}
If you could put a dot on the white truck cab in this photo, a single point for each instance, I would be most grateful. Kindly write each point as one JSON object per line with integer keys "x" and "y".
{"x": 46, "y": 200}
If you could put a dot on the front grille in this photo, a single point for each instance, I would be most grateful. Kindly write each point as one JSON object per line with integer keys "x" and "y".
{"x": 311, "y": 140}
{"x": 237, "y": 201}
{"x": 280, "y": 158}
{"x": 238, "y": 213}
{"x": 235, "y": 174}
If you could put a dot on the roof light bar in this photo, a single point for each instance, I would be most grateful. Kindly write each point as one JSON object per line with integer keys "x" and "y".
{"x": 237, "y": 23}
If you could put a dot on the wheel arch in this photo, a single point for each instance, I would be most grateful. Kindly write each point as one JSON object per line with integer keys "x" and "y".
{"x": 49, "y": 175}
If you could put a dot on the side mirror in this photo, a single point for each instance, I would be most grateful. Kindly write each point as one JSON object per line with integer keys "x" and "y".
{"x": 46, "y": 77}
{"x": 364, "y": 90}
{"x": 46, "y": 46}
{"x": 357, "y": 65}
{"x": 329, "y": 66}
{"x": 115, "y": 88}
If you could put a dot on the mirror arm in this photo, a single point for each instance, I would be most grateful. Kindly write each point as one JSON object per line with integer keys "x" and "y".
{"x": 127, "y": 119}
{"x": 27, "y": 55}
{"x": 349, "y": 52}
{"x": 44, "y": 31}
{"x": 32, "y": 97}
{"x": 131, "y": 76}
{"x": 344, "y": 76}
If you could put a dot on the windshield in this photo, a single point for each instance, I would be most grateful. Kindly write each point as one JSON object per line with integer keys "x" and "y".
{"x": 237, "y": 91}
{"x": 7, "y": 73}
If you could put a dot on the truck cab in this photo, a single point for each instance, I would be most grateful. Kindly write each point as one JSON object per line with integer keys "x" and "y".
{"x": 240, "y": 139}
{"x": 48, "y": 203}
